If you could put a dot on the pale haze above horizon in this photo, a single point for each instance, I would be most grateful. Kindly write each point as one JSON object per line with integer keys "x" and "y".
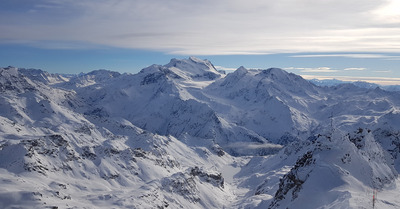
{"x": 346, "y": 40}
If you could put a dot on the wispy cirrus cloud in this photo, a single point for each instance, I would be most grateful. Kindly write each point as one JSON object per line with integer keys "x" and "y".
{"x": 312, "y": 70}
{"x": 360, "y": 56}
{"x": 209, "y": 27}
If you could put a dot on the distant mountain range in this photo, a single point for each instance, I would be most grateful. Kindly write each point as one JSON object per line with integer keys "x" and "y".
{"x": 362, "y": 84}
{"x": 184, "y": 135}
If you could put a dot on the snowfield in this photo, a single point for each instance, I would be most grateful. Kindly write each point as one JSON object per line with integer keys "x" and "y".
{"x": 184, "y": 135}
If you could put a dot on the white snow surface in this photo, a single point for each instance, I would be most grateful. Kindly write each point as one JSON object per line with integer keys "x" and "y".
{"x": 183, "y": 135}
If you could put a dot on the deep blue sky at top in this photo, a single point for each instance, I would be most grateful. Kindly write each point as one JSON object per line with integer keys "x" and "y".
{"x": 353, "y": 40}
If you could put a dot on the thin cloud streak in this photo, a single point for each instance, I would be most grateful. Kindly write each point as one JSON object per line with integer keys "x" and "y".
{"x": 360, "y": 56}
{"x": 355, "y": 69}
{"x": 382, "y": 71}
{"x": 313, "y": 70}
{"x": 226, "y": 69}
{"x": 210, "y": 27}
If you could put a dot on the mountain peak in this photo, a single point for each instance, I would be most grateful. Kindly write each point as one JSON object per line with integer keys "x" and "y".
{"x": 275, "y": 72}
{"x": 42, "y": 76}
{"x": 192, "y": 62}
{"x": 197, "y": 60}
{"x": 9, "y": 71}
{"x": 104, "y": 73}
{"x": 192, "y": 68}
{"x": 241, "y": 68}
{"x": 282, "y": 77}
{"x": 12, "y": 80}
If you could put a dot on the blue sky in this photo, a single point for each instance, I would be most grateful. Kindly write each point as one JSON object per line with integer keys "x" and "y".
{"x": 348, "y": 40}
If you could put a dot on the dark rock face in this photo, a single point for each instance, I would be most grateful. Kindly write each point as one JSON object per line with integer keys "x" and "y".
{"x": 292, "y": 182}
{"x": 215, "y": 179}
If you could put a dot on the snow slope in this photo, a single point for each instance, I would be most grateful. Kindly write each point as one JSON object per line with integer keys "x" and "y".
{"x": 183, "y": 135}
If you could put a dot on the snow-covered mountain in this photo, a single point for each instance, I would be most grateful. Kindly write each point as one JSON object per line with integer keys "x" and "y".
{"x": 185, "y": 135}
{"x": 362, "y": 84}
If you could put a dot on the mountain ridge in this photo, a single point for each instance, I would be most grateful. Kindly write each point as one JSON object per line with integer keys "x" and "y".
{"x": 185, "y": 135}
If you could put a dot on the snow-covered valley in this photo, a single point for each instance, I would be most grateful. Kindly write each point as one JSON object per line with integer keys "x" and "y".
{"x": 184, "y": 135}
